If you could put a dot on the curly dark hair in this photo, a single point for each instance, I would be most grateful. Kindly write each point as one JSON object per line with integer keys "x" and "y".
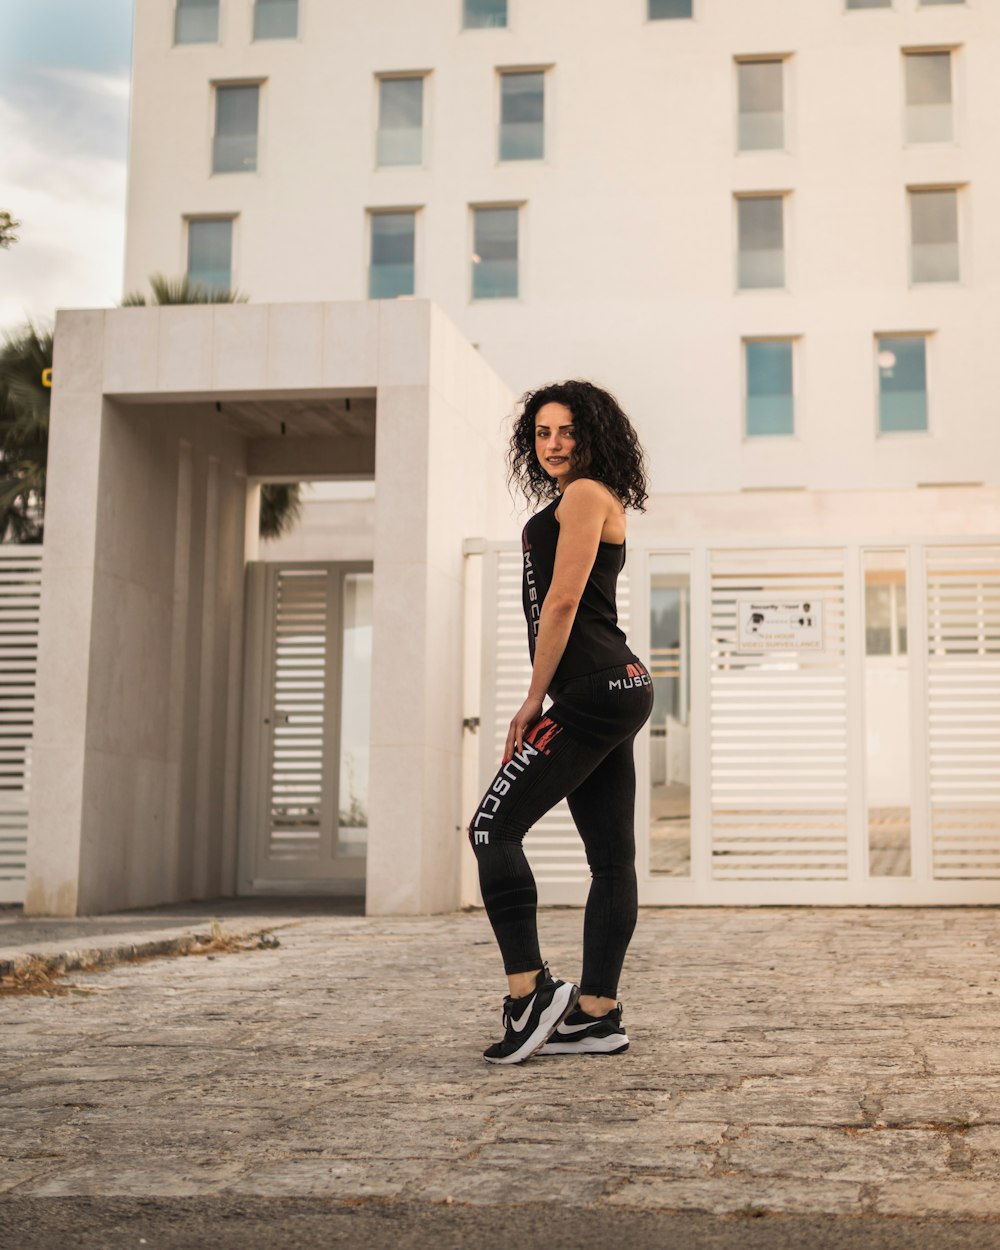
{"x": 605, "y": 442}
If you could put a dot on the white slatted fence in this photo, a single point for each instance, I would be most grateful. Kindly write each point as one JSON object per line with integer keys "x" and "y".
{"x": 553, "y": 846}
{"x": 778, "y": 753}
{"x": 20, "y": 598}
{"x": 779, "y": 811}
{"x": 963, "y": 650}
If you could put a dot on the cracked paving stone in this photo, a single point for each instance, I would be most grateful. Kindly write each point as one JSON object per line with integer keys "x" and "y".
{"x": 725, "y": 1195}
{"x": 163, "y": 1178}
{"x": 820, "y": 1060}
{"x": 946, "y": 1196}
{"x": 862, "y": 1155}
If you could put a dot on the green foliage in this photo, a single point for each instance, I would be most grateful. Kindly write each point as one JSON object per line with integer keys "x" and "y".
{"x": 7, "y": 227}
{"x": 24, "y": 434}
{"x": 280, "y": 508}
{"x": 181, "y": 291}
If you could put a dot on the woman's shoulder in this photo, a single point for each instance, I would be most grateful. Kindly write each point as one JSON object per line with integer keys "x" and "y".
{"x": 592, "y": 493}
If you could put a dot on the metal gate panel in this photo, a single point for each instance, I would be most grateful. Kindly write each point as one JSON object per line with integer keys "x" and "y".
{"x": 963, "y": 662}
{"x": 291, "y": 822}
{"x": 779, "y": 793}
{"x": 778, "y": 726}
{"x": 303, "y": 654}
{"x": 553, "y": 845}
{"x": 20, "y": 599}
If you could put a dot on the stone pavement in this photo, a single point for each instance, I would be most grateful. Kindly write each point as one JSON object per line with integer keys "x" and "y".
{"x": 785, "y": 1062}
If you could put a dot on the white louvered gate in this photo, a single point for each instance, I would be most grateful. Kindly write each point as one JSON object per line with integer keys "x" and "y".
{"x": 554, "y": 846}
{"x": 779, "y": 807}
{"x": 963, "y": 624}
{"x": 20, "y": 597}
{"x": 778, "y": 746}
{"x": 306, "y": 735}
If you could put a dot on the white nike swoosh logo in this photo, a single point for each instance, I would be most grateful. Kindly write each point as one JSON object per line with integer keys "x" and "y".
{"x": 575, "y": 1028}
{"x": 518, "y": 1025}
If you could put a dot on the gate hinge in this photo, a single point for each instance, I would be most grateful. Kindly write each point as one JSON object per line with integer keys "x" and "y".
{"x": 471, "y": 723}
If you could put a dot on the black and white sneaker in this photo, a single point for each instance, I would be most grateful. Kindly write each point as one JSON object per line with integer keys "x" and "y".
{"x": 580, "y": 1034}
{"x": 528, "y": 1021}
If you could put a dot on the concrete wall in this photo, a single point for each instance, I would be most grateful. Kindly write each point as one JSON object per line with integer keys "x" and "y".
{"x": 628, "y": 225}
{"x": 438, "y": 419}
{"x": 802, "y": 516}
{"x": 135, "y": 769}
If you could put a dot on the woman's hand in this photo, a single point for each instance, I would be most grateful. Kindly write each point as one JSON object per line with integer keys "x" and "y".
{"x": 526, "y": 715}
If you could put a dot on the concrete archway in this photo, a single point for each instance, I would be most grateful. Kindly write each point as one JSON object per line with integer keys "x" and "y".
{"x": 162, "y": 421}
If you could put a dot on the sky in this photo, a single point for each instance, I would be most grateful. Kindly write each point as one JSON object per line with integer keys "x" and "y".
{"x": 64, "y": 99}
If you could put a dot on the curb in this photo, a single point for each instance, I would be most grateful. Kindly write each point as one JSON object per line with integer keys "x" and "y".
{"x": 117, "y": 948}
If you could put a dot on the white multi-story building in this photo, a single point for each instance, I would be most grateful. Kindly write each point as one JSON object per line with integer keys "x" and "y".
{"x": 728, "y": 211}
{"x": 765, "y": 225}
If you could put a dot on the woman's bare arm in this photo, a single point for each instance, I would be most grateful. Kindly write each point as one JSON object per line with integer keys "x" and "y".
{"x": 583, "y": 511}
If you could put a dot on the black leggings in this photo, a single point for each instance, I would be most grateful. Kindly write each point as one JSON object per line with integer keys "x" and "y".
{"x": 581, "y": 751}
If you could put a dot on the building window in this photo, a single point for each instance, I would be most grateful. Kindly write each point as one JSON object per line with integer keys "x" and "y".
{"x": 235, "y": 147}
{"x": 479, "y": 13}
{"x": 934, "y": 235}
{"x": 761, "y": 97}
{"x": 928, "y": 97}
{"x": 902, "y": 383}
{"x": 761, "y": 241}
{"x": 494, "y": 253}
{"x": 276, "y": 19}
{"x": 869, "y": 4}
{"x": 210, "y": 253}
{"x": 196, "y": 21}
{"x": 522, "y": 116}
{"x": 393, "y": 247}
{"x": 770, "y": 400}
{"x": 400, "y": 121}
{"x": 662, "y": 10}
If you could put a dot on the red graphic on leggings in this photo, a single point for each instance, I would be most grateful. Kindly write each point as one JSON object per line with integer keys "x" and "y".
{"x": 543, "y": 733}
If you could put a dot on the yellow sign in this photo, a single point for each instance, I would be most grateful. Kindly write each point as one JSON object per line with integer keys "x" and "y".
{"x": 47, "y": 378}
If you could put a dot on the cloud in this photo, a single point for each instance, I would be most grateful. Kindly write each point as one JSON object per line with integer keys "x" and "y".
{"x": 67, "y": 112}
{"x": 62, "y": 174}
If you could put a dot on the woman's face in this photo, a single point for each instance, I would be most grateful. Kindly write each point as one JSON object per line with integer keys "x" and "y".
{"x": 555, "y": 443}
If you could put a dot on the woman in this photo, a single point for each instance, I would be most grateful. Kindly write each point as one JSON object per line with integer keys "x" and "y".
{"x": 571, "y": 442}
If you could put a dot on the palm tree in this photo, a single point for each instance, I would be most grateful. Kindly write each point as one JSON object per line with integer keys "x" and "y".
{"x": 7, "y": 228}
{"x": 280, "y": 508}
{"x": 24, "y": 434}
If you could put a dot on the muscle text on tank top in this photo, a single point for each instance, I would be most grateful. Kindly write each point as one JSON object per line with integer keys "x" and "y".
{"x": 595, "y": 641}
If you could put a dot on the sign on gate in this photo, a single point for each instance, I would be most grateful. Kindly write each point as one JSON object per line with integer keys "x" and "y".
{"x": 780, "y": 624}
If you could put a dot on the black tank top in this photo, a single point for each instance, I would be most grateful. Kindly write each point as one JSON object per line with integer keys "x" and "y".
{"x": 595, "y": 641}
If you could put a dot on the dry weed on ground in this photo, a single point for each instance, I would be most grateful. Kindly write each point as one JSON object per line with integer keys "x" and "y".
{"x": 39, "y": 976}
